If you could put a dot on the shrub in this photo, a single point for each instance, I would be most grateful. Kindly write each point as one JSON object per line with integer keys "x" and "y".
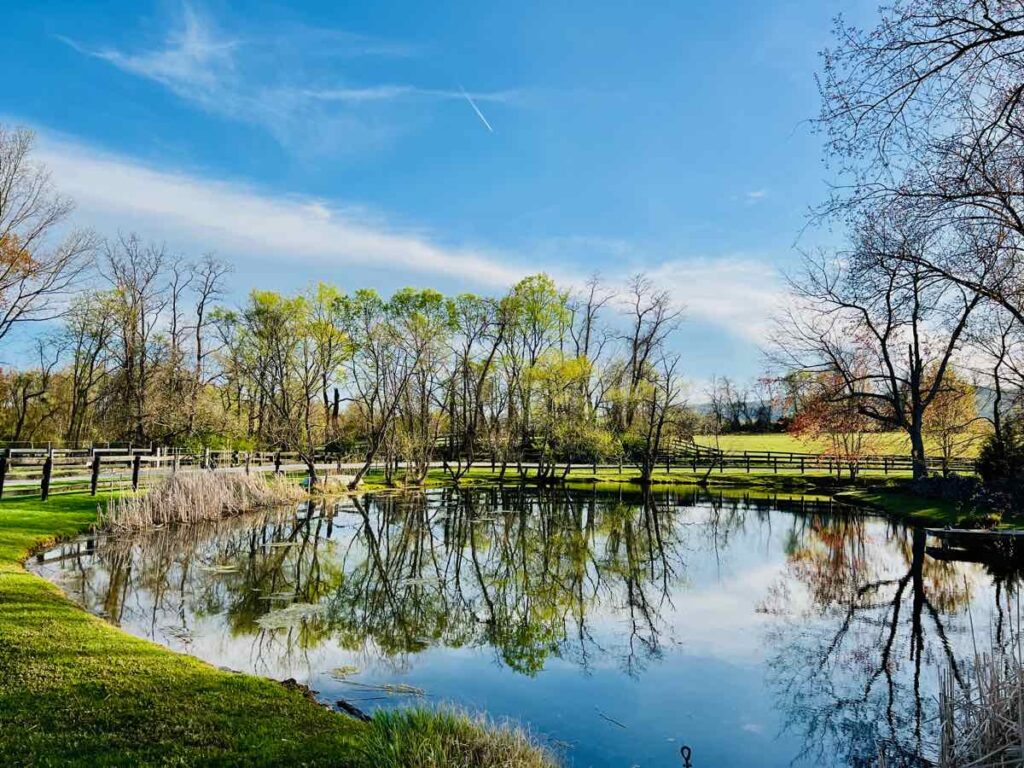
{"x": 1001, "y": 467}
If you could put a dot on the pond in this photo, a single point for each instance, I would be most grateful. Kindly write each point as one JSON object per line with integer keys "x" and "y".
{"x": 617, "y": 626}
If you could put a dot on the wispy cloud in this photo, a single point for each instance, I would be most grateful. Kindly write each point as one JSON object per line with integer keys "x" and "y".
{"x": 738, "y": 294}
{"x": 394, "y": 92}
{"x": 755, "y": 195}
{"x": 241, "y": 221}
{"x": 241, "y": 77}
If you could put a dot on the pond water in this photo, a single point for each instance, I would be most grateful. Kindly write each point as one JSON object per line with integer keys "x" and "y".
{"x": 616, "y": 626}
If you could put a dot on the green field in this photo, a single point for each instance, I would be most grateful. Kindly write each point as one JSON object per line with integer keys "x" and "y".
{"x": 895, "y": 443}
{"x": 75, "y": 690}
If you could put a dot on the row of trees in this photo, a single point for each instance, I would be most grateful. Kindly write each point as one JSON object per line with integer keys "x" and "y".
{"x": 144, "y": 348}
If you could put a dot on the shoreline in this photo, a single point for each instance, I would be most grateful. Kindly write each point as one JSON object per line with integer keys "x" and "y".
{"x": 60, "y": 664}
{"x": 77, "y": 690}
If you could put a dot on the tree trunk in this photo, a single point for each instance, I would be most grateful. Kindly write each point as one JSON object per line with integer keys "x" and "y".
{"x": 917, "y": 451}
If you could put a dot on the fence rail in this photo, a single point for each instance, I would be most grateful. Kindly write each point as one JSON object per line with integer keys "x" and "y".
{"x": 703, "y": 457}
{"x": 30, "y": 471}
{"x": 27, "y": 470}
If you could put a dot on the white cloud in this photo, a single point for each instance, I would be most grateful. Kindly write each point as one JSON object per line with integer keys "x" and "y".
{"x": 756, "y": 194}
{"x": 391, "y": 92}
{"x": 273, "y": 83}
{"x": 237, "y": 219}
{"x": 737, "y": 293}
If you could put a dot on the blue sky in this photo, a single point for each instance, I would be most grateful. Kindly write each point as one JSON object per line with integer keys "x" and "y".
{"x": 457, "y": 145}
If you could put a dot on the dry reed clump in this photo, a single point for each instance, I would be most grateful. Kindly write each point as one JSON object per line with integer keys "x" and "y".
{"x": 983, "y": 720}
{"x": 197, "y": 496}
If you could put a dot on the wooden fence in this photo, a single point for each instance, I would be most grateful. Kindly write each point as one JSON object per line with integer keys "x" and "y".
{"x": 40, "y": 470}
{"x": 701, "y": 457}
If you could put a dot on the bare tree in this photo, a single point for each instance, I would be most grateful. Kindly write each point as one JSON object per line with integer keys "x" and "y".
{"x": 208, "y": 286}
{"x": 1000, "y": 362}
{"x": 86, "y": 339}
{"x": 923, "y": 115}
{"x": 38, "y": 269}
{"x": 135, "y": 272}
{"x": 652, "y": 319}
{"x": 887, "y": 329}
{"x": 661, "y": 398}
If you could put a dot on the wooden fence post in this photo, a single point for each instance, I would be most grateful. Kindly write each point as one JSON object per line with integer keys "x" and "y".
{"x": 277, "y": 463}
{"x": 44, "y": 490}
{"x": 94, "y": 481}
{"x": 136, "y": 466}
{"x": 4, "y": 460}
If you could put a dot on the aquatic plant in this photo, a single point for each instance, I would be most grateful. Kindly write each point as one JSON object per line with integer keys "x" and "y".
{"x": 196, "y": 496}
{"x": 983, "y": 715}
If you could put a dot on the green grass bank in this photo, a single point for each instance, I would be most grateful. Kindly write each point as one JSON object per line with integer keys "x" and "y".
{"x": 75, "y": 690}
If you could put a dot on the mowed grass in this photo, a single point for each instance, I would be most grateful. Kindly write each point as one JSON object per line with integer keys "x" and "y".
{"x": 77, "y": 691}
{"x": 894, "y": 443}
{"x": 885, "y": 493}
{"x": 898, "y": 502}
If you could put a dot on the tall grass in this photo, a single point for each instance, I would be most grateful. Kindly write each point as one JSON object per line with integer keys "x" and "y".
{"x": 424, "y": 738}
{"x": 197, "y": 496}
{"x": 983, "y": 719}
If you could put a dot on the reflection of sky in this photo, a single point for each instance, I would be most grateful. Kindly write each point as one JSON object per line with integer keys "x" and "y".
{"x": 707, "y": 685}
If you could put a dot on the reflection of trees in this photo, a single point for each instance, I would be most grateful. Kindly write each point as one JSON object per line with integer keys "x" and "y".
{"x": 517, "y": 570}
{"x": 860, "y": 614}
{"x": 238, "y": 570}
{"x": 848, "y": 655}
{"x": 520, "y": 570}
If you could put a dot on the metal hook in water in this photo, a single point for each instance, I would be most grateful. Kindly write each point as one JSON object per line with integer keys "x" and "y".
{"x": 686, "y": 752}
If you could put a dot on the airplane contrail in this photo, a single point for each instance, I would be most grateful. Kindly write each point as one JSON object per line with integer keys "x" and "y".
{"x": 476, "y": 109}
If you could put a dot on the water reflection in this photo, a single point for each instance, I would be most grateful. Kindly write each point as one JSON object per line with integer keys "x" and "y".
{"x": 820, "y": 632}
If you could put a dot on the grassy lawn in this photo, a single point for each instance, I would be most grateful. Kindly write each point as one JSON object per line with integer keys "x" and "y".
{"x": 900, "y": 503}
{"x": 883, "y": 442}
{"x": 785, "y": 480}
{"x": 75, "y": 690}
{"x": 879, "y": 492}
